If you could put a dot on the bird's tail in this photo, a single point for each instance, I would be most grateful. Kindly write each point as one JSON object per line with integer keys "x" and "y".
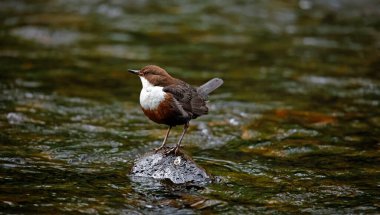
{"x": 209, "y": 86}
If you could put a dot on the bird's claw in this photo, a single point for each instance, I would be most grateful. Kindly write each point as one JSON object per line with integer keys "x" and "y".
{"x": 158, "y": 149}
{"x": 175, "y": 150}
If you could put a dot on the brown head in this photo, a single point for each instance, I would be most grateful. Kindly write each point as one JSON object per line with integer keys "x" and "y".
{"x": 155, "y": 75}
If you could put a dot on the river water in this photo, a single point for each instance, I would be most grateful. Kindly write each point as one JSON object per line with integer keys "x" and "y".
{"x": 294, "y": 129}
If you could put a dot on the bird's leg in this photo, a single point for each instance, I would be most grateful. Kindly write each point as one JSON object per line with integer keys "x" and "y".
{"x": 178, "y": 145}
{"x": 163, "y": 143}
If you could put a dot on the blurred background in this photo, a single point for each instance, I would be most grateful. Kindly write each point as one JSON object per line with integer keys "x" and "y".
{"x": 294, "y": 129}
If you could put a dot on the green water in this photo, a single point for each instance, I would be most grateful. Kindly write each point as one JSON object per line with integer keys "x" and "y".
{"x": 294, "y": 129}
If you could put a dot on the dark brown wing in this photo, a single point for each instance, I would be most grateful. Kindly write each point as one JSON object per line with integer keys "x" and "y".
{"x": 188, "y": 98}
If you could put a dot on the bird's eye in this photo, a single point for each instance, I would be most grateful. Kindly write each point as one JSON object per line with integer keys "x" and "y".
{"x": 148, "y": 72}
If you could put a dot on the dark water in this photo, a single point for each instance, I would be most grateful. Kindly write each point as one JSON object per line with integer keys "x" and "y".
{"x": 294, "y": 129}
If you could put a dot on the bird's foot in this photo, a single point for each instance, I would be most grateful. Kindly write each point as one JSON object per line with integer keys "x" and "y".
{"x": 158, "y": 149}
{"x": 174, "y": 150}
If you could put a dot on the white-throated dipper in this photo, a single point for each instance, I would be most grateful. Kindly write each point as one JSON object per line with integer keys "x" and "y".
{"x": 170, "y": 101}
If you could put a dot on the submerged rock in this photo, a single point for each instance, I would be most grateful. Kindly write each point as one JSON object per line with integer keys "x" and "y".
{"x": 178, "y": 168}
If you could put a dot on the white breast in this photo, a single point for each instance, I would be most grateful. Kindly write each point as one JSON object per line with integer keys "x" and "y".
{"x": 150, "y": 96}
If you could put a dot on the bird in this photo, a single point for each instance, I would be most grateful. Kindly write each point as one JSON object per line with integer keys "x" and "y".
{"x": 171, "y": 101}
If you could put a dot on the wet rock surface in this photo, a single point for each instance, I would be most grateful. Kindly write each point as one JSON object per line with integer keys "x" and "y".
{"x": 178, "y": 168}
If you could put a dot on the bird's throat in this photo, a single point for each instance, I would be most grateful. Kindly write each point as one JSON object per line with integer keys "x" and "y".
{"x": 150, "y": 96}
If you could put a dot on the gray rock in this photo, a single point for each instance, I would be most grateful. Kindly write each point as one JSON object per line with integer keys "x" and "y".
{"x": 178, "y": 168}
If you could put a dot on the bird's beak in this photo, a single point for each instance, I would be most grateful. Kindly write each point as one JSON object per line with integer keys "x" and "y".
{"x": 136, "y": 72}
